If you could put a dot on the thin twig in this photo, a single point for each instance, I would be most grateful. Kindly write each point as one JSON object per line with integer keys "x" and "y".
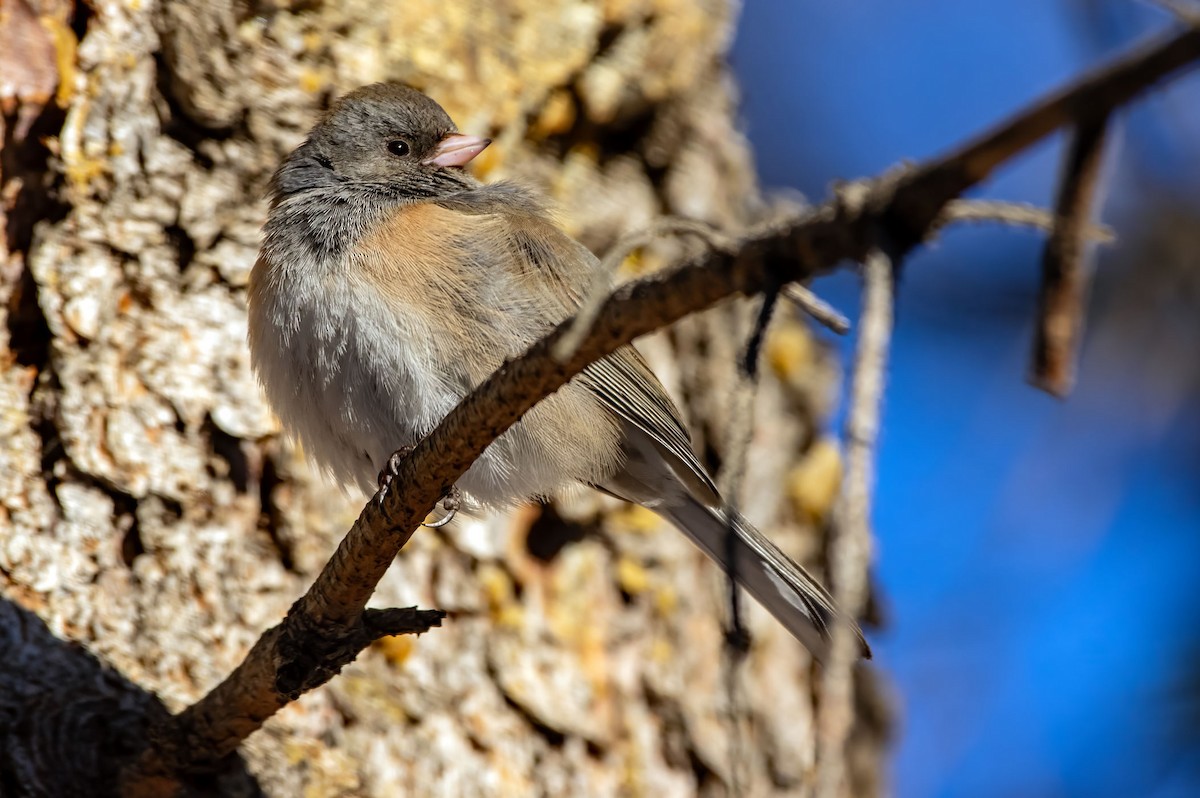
{"x": 602, "y": 280}
{"x": 1018, "y": 214}
{"x": 741, "y": 431}
{"x": 818, "y": 308}
{"x": 905, "y": 204}
{"x": 1097, "y": 93}
{"x": 1066, "y": 275}
{"x": 850, "y": 549}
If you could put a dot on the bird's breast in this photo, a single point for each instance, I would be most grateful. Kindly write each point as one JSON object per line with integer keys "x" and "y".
{"x": 347, "y": 371}
{"x": 369, "y": 352}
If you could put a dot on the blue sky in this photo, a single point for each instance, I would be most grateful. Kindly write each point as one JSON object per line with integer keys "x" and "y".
{"x": 1037, "y": 558}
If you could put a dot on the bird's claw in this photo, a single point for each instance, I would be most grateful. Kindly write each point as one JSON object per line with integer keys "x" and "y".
{"x": 390, "y": 471}
{"x": 450, "y": 503}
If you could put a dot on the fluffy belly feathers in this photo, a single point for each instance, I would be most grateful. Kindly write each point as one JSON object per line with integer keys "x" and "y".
{"x": 354, "y": 379}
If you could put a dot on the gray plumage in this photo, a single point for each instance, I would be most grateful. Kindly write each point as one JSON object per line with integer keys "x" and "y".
{"x": 390, "y": 284}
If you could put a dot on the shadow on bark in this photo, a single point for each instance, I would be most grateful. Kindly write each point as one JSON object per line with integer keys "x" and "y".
{"x": 68, "y": 721}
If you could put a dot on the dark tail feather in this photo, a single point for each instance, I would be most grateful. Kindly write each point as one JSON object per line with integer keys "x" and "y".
{"x": 796, "y": 599}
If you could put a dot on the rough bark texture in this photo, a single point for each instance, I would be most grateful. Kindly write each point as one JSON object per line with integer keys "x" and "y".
{"x": 150, "y": 512}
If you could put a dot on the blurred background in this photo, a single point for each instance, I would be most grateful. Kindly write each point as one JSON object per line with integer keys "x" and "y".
{"x": 1038, "y": 558}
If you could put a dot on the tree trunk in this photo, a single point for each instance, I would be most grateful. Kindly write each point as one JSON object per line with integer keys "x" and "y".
{"x": 153, "y": 521}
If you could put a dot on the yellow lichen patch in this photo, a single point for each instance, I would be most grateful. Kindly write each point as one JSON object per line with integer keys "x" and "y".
{"x": 296, "y": 752}
{"x": 512, "y": 781}
{"x": 636, "y": 519}
{"x": 632, "y": 264}
{"x": 557, "y": 115}
{"x": 790, "y": 351}
{"x": 312, "y": 81}
{"x": 498, "y": 592}
{"x": 661, "y": 651}
{"x": 80, "y": 163}
{"x": 666, "y": 600}
{"x": 814, "y": 483}
{"x": 629, "y": 757}
{"x": 364, "y": 690}
{"x": 593, "y": 657}
{"x": 511, "y": 616}
{"x": 496, "y": 583}
{"x": 312, "y": 41}
{"x": 327, "y": 771}
{"x": 632, "y": 577}
{"x": 82, "y": 171}
{"x": 576, "y": 582}
{"x": 65, "y": 45}
{"x": 396, "y": 649}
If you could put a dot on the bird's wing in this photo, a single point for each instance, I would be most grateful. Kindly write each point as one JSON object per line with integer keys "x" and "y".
{"x": 622, "y": 381}
{"x": 629, "y": 389}
{"x": 655, "y": 434}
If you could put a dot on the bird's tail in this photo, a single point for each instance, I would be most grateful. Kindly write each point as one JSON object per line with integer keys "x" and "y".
{"x": 795, "y": 598}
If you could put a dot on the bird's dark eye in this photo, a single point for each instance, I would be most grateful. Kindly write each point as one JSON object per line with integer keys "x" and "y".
{"x": 398, "y": 147}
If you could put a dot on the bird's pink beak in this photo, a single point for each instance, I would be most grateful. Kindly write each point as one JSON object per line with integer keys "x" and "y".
{"x": 457, "y": 149}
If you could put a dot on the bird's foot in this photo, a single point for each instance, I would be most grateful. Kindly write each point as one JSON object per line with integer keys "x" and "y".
{"x": 390, "y": 470}
{"x": 451, "y": 501}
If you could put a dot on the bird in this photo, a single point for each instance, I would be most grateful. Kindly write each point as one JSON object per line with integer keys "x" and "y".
{"x": 390, "y": 282}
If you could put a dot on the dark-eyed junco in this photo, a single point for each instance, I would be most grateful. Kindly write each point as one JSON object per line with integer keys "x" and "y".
{"x": 391, "y": 283}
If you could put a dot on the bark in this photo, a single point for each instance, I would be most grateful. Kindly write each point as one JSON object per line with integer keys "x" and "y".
{"x": 153, "y": 522}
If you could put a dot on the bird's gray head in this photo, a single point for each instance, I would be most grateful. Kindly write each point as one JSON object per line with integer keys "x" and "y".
{"x": 385, "y": 138}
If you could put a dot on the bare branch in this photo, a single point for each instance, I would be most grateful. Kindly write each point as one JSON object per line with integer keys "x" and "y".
{"x": 733, "y": 476}
{"x": 1065, "y": 274}
{"x": 400, "y": 621}
{"x": 850, "y": 550}
{"x": 818, "y": 308}
{"x": 928, "y": 188}
{"x": 899, "y": 207}
{"x": 1018, "y": 214}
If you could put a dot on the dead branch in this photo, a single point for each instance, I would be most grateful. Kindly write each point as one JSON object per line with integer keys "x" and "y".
{"x": 850, "y": 547}
{"x": 898, "y": 208}
{"x": 1014, "y": 214}
{"x": 1066, "y": 274}
{"x": 820, "y": 310}
{"x": 1095, "y": 94}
